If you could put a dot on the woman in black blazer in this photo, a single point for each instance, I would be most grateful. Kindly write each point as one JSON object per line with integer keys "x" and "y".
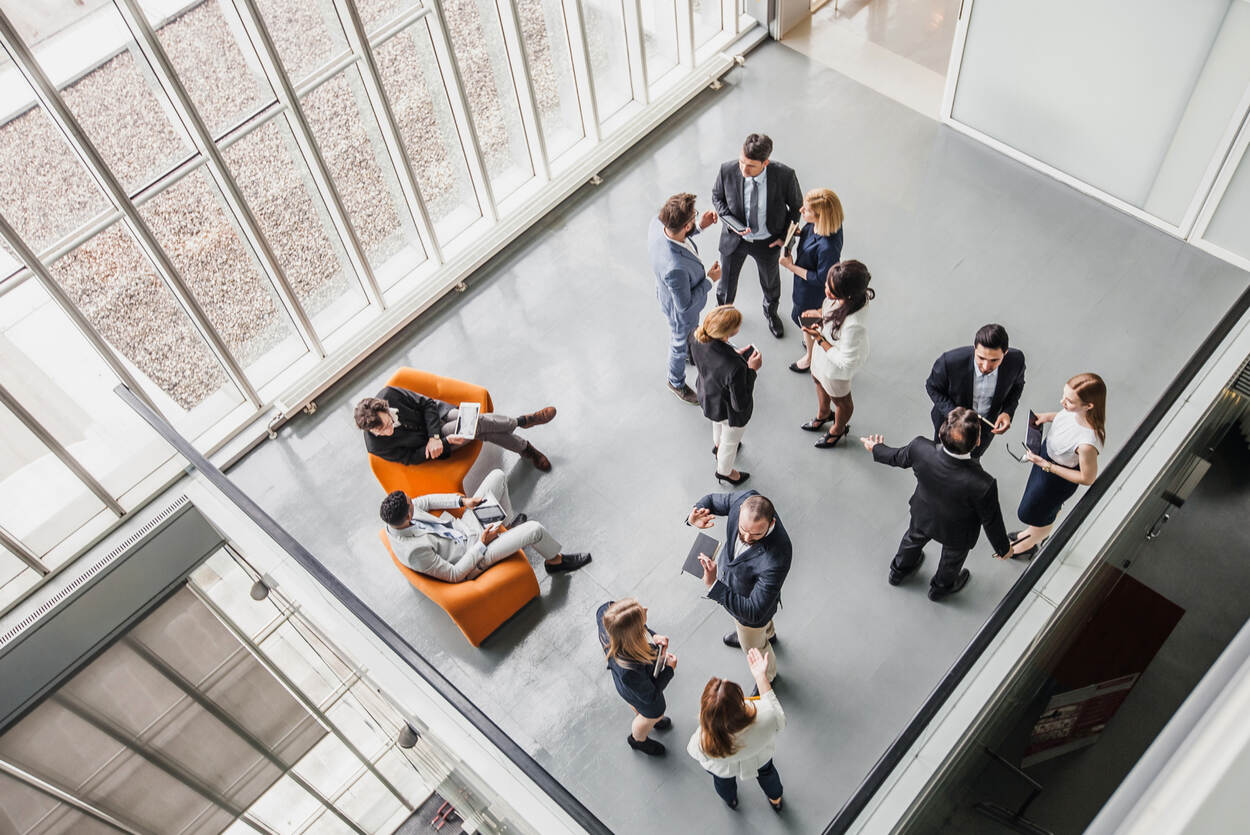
{"x": 631, "y": 649}
{"x": 726, "y": 385}
{"x": 819, "y": 247}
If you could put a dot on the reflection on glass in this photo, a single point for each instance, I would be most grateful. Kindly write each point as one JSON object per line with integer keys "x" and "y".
{"x": 54, "y": 194}
{"x": 221, "y": 73}
{"x": 372, "y": 806}
{"x": 48, "y": 367}
{"x": 41, "y": 501}
{"x": 609, "y": 61}
{"x": 359, "y": 726}
{"x": 117, "y": 290}
{"x": 707, "y": 20}
{"x": 659, "y": 36}
{"x": 117, "y": 102}
{"x": 376, "y": 13}
{"x": 328, "y": 766}
{"x": 414, "y": 86}
{"x": 278, "y": 189}
{"x": 285, "y": 807}
{"x": 364, "y": 176}
{"x": 551, "y": 66}
{"x": 307, "y": 34}
{"x": 201, "y": 240}
{"x": 477, "y": 40}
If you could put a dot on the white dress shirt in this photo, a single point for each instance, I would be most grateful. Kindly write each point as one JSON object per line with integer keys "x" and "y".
{"x": 761, "y": 182}
{"x": 983, "y": 386}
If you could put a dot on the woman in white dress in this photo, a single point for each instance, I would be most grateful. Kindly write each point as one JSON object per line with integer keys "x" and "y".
{"x": 840, "y": 347}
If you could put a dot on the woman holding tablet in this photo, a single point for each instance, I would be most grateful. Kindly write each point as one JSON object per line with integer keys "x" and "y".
{"x": 1070, "y": 458}
{"x": 819, "y": 247}
{"x": 641, "y": 667}
{"x": 840, "y": 347}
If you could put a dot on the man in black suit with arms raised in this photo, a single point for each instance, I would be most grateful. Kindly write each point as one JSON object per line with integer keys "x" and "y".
{"x": 986, "y": 376}
{"x": 747, "y": 575}
{"x": 954, "y": 499}
{"x": 764, "y": 197}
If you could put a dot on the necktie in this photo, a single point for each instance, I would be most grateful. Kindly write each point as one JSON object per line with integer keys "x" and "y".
{"x": 753, "y": 209}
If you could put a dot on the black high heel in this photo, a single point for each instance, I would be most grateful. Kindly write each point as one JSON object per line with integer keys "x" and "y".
{"x": 830, "y": 441}
{"x": 724, "y": 479}
{"x": 816, "y": 424}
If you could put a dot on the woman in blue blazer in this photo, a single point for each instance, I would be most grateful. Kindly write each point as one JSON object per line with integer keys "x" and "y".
{"x": 631, "y": 649}
{"x": 819, "y": 248}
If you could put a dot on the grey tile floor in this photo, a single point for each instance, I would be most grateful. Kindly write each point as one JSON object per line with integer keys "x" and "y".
{"x": 956, "y": 235}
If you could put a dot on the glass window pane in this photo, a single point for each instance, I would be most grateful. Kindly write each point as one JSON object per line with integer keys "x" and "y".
{"x": 414, "y": 85}
{"x": 30, "y": 810}
{"x": 278, "y": 188}
{"x": 1230, "y": 225}
{"x": 54, "y": 194}
{"x": 51, "y": 369}
{"x": 307, "y": 34}
{"x": 222, "y": 74}
{"x": 285, "y": 807}
{"x": 328, "y": 766}
{"x": 609, "y": 61}
{"x": 375, "y": 13}
{"x": 476, "y": 38}
{"x": 202, "y": 241}
{"x": 546, "y": 42}
{"x": 342, "y": 121}
{"x": 707, "y": 20}
{"x": 360, "y": 726}
{"x": 659, "y": 36}
{"x": 370, "y": 804}
{"x": 118, "y": 291}
{"x": 41, "y": 500}
{"x": 9, "y": 264}
{"x": 296, "y": 658}
{"x": 117, "y": 101}
{"x": 13, "y": 579}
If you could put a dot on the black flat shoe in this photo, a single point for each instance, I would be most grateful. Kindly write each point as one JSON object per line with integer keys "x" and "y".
{"x": 568, "y": 562}
{"x": 797, "y": 369}
{"x": 663, "y": 725}
{"x": 648, "y": 746}
{"x": 816, "y": 424}
{"x": 716, "y": 448}
{"x": 830, "y": 441}
{"x": 724, "y": 479}
{"x": 1025, "y": 556}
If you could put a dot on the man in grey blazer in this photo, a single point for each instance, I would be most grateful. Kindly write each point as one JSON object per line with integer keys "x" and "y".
{"x": 681, "y": 284}
{"x": 454, "y": 550}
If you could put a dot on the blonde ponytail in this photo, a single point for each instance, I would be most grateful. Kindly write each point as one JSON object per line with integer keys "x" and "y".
{"x": 719, "y": 323}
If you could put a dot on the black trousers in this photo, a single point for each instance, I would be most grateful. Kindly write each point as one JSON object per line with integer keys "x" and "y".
{"x": 987, "y": 437}
{"x": 911, "y": 549}
{"x": 766, "y": 265}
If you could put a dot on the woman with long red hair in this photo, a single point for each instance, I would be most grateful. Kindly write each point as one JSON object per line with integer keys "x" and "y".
{"x": 1069, "y": 459}
{"x": 737, "y": 736}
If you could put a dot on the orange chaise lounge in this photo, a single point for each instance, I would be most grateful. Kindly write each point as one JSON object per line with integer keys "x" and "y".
{"x": 481, "y": 605}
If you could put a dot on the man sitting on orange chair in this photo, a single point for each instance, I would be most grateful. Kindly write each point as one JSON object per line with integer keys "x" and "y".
{"x": 454, "y": 550}
{"x": 409, "y": 428}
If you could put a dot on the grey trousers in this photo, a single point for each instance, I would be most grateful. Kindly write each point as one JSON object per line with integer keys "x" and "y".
{"x": 492, "y": 428}
{"x": 523, "y": 536}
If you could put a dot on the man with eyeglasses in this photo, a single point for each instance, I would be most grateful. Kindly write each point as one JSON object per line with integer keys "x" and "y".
{"x": 747, "y": 575}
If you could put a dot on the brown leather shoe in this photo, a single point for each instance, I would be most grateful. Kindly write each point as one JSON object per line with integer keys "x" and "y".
{"x": 543, "y": 415}
{"x": 540, "y": 461}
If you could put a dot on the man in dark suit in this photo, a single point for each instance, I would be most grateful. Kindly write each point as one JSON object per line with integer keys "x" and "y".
{"x": 954, "y": 499}
{"x": 410, "y": 428}
{"x": 987, "y": 377}
{"x": 747, "y": 575}
{"x": 764, "y": 197}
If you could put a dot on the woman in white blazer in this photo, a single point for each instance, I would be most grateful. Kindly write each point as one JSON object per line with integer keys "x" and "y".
{"x": 840, "y": 348}
{"x": 737, "y": 736}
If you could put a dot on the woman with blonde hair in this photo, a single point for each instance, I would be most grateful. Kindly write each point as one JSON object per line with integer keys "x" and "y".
{"x": 839, "y": 348}
{"x": 738, "y": 736}
{"x": 1069, "y": 458}
{"x": 632, "y": 651}
{"x": 726, "y": 385}
{"x": 819, "y": 247}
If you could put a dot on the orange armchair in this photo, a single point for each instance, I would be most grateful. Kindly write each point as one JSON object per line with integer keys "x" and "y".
{"x": 481, "y": 605}
{"x": 446, "y": 475}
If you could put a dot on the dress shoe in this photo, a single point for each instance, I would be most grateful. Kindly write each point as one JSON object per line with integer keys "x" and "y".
{"x": 543, "y": 415}
{"x": 648, "y": 746}
{"x": 541, "y": 462}
{"x": 664, "y": 724}
{"x": 798, "y": 369}
{"x": 733, "y": 482}
{"x": 567, "y": 563}
{"x": 518, "y": 520}
{"x": 684, "y": 392}
{"x": 897, "y": 577}
{"x": 816, "y": 424}
{"x": 774, "y": 324}
{"x": 1014, "y": 535}
{"x": 1025, "y": 556}
{"x": 937, "y": 593}
{"x": 731, "y": 640}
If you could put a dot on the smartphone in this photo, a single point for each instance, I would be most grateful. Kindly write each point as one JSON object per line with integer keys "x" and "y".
{"x": 659, "y": 661}
{"x": 747, "y": 351}
{"x": 809, "y": 320}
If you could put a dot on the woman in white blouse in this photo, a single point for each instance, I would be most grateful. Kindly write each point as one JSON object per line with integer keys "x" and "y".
{"x": 737, "y": 736}
{"x": 840, "y": 347}
{"x": 1076, "y": 436}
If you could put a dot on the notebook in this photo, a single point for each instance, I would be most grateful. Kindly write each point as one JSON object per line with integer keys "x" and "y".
{"x": 703, "y": 544}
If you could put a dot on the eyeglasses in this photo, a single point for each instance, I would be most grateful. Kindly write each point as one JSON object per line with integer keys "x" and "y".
{"x": 1017, "y": 456}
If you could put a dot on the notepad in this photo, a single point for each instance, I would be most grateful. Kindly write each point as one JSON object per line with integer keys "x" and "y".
{"x": 467, "y": 422}
{"x": 703, "y": 544}
{"x": 794, "y": 227}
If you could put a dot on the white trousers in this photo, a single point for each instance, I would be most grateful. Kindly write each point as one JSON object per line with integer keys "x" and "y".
{"x": 725, "y": 438}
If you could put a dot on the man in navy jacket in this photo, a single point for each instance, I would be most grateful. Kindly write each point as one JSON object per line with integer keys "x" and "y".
{"x": 752, "y": 565}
